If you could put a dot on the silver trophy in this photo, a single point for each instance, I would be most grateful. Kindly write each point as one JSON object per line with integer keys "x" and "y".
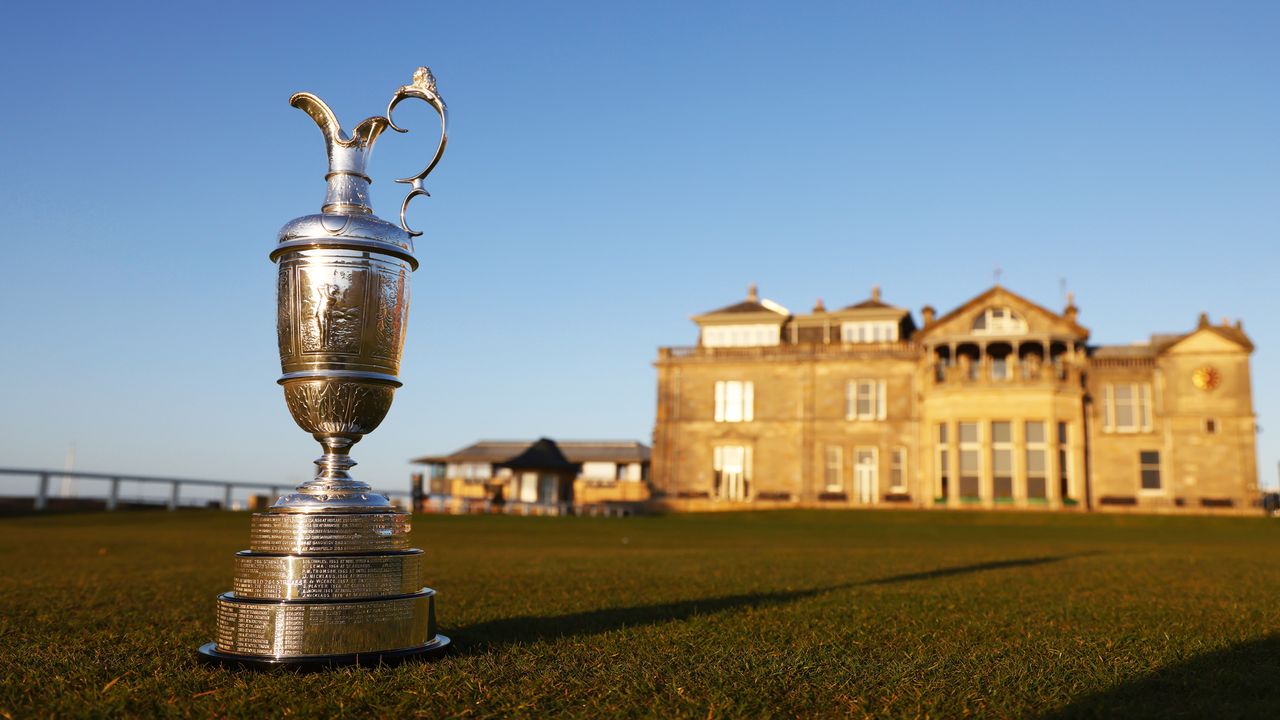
{"x": 329, "y": 577}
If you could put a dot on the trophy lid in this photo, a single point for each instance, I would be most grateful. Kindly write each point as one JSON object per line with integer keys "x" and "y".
{"x": 346, "y": 219}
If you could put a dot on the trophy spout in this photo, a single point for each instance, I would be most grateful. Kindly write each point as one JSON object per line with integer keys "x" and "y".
{"x": 348, "y": 179}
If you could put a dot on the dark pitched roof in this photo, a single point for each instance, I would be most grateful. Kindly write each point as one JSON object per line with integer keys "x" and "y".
{"x": 542, "y": 455}
{"x": 577, "y": 451}
{"x": 746, "y": 306}
{"x": 871, "y": 304}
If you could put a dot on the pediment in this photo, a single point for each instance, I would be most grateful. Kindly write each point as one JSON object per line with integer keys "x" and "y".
{"x": 1208, "y": 340}
{"x": 1000, "y": 313}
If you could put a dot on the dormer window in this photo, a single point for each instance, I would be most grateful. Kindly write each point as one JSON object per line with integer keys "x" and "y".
{"x": 741, "y": 335}
{"x": 999, "y": 321}
{"x": 869, "y": 331}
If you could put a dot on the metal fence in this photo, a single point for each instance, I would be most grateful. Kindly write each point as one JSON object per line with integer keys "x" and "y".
{"x": 41, "y": 501}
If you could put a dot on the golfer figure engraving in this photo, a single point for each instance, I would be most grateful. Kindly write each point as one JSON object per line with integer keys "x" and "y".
{"x": 328, "y": 295}
{"x": 329, "y": 577}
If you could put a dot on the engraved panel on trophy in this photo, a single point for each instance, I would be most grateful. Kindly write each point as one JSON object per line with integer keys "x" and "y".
{"x": 284, "y": 311}
{"x": 331, "y": 298}
{"x": 392, "y": 300}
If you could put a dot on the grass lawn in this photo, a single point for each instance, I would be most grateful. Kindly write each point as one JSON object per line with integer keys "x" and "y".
{"x": 784, "y": 614}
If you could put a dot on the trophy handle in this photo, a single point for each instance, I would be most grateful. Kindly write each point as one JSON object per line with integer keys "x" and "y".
{"x": 423, "y": 87}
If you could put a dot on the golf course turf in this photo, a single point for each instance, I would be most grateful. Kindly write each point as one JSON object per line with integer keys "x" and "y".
{"x": 767, "y": 614}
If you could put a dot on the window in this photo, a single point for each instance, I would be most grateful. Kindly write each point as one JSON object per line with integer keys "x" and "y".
{"x": 741, "y": 335}
{"x": 864, "y": 400}
{"x": 898, "y": 471}
{"x": 869, "y": 331}
{"x": 1064, "y": 463}
{"x": 732, "y": 465}
{"x": 1126, "y": 407}
{"x": 999, "y": 321}
{"x": 1210, "y": 426}
{"x": 834, "y": 472}
{"x": 735, "y": 401}
{"x": 1002, "y": 460}
{"x": 942, "y": 465}
{"x": 470, "y": 471}
{"x": 1149, "y": 462}
{"x": 1037, "y": 461}
{"x": 970, "y": 460}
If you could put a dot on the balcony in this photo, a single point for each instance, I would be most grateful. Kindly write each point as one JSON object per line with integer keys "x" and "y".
{"x": 896, "y": 349}
{"x": 1010, "y": 371}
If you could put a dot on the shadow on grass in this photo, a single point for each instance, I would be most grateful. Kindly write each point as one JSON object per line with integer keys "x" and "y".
{"x": 1237, "y": 682}
{"x": 508, "y": 631}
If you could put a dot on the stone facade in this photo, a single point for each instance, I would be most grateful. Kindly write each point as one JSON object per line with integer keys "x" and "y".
{"x": 1000, "y": 403}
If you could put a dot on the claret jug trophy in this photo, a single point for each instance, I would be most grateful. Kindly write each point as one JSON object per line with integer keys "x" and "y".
{"x": 329, "y": 577}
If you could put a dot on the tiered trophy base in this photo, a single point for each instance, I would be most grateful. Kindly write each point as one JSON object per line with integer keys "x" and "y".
{"x": 319, "y": 590}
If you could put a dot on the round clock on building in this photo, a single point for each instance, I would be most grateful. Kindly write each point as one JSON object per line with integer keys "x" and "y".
{"x": 1206, "y": 378}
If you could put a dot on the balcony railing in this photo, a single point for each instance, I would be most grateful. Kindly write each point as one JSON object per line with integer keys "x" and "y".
{"x": 1012, "y": 372}
{"x": 835, "y": 349}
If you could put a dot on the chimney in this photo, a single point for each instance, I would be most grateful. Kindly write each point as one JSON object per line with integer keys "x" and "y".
{"x": 1071, "y": 312}
{"x": 753, "y": 293}
{"x": 927, "y": 312}
{"x": 818, "y": 307}
{"x": 1204, "y": 320}
{"x": 875, "y": 292}
{"x": 1240, "y": 325}
{"x": 1226, "y": 321}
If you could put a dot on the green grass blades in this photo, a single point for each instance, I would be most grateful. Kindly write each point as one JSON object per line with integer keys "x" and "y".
{"x": 778, "y": 614}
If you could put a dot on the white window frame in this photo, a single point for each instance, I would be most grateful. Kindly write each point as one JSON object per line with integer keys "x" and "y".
{"x": 974, "y": 446}
{"x": 1008, "y": 322}
{"x": 942, "y": 461}
{"x": 898, "y": 458}
{"x": 1008, "y": 447}
{"x": 735, "y": 401}
{"x": 828, "y": 468}
{"x": 1036, "y": 446}
{"x": 875, "y": 395}
{"x": 760, "y": 334}
{"x": 1140, "y": 394}
{"x": 866, "y": 331}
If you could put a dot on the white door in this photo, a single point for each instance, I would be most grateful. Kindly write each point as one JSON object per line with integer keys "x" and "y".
{"x": 733, "y": 472}
{"x": 865, "y": 476}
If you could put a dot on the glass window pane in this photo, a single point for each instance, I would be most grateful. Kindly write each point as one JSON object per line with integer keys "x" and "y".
{"x": 1001, "y": 432}
{"x": 1150, "y": 479}
{"x": 1035, "y": 432}
{"x": 1149, "y": 457}
{"x": 1035, "y": 463}
{"x": 968, "y": 432}
{"x": 1002, "y": 487}
{"x": 1002, "y": 462}
{"x": 942, "y": 433}
{"x": 969, "y": 462}
{"x": 1036, "y": 488}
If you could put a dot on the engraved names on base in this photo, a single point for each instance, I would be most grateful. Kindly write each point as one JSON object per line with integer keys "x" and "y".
{"x": 345, "y": 577}
{"x": 334, "y": 533}
{"x": 274, "y": 629}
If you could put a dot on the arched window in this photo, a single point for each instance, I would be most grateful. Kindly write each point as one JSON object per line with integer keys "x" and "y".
{"x": 999, "y": 321}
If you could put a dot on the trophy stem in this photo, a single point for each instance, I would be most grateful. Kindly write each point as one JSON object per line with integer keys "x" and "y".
{"x": 332, "y": 474}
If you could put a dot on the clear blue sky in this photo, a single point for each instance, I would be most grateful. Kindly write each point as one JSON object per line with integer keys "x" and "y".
{"x": 613, "y": 168}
